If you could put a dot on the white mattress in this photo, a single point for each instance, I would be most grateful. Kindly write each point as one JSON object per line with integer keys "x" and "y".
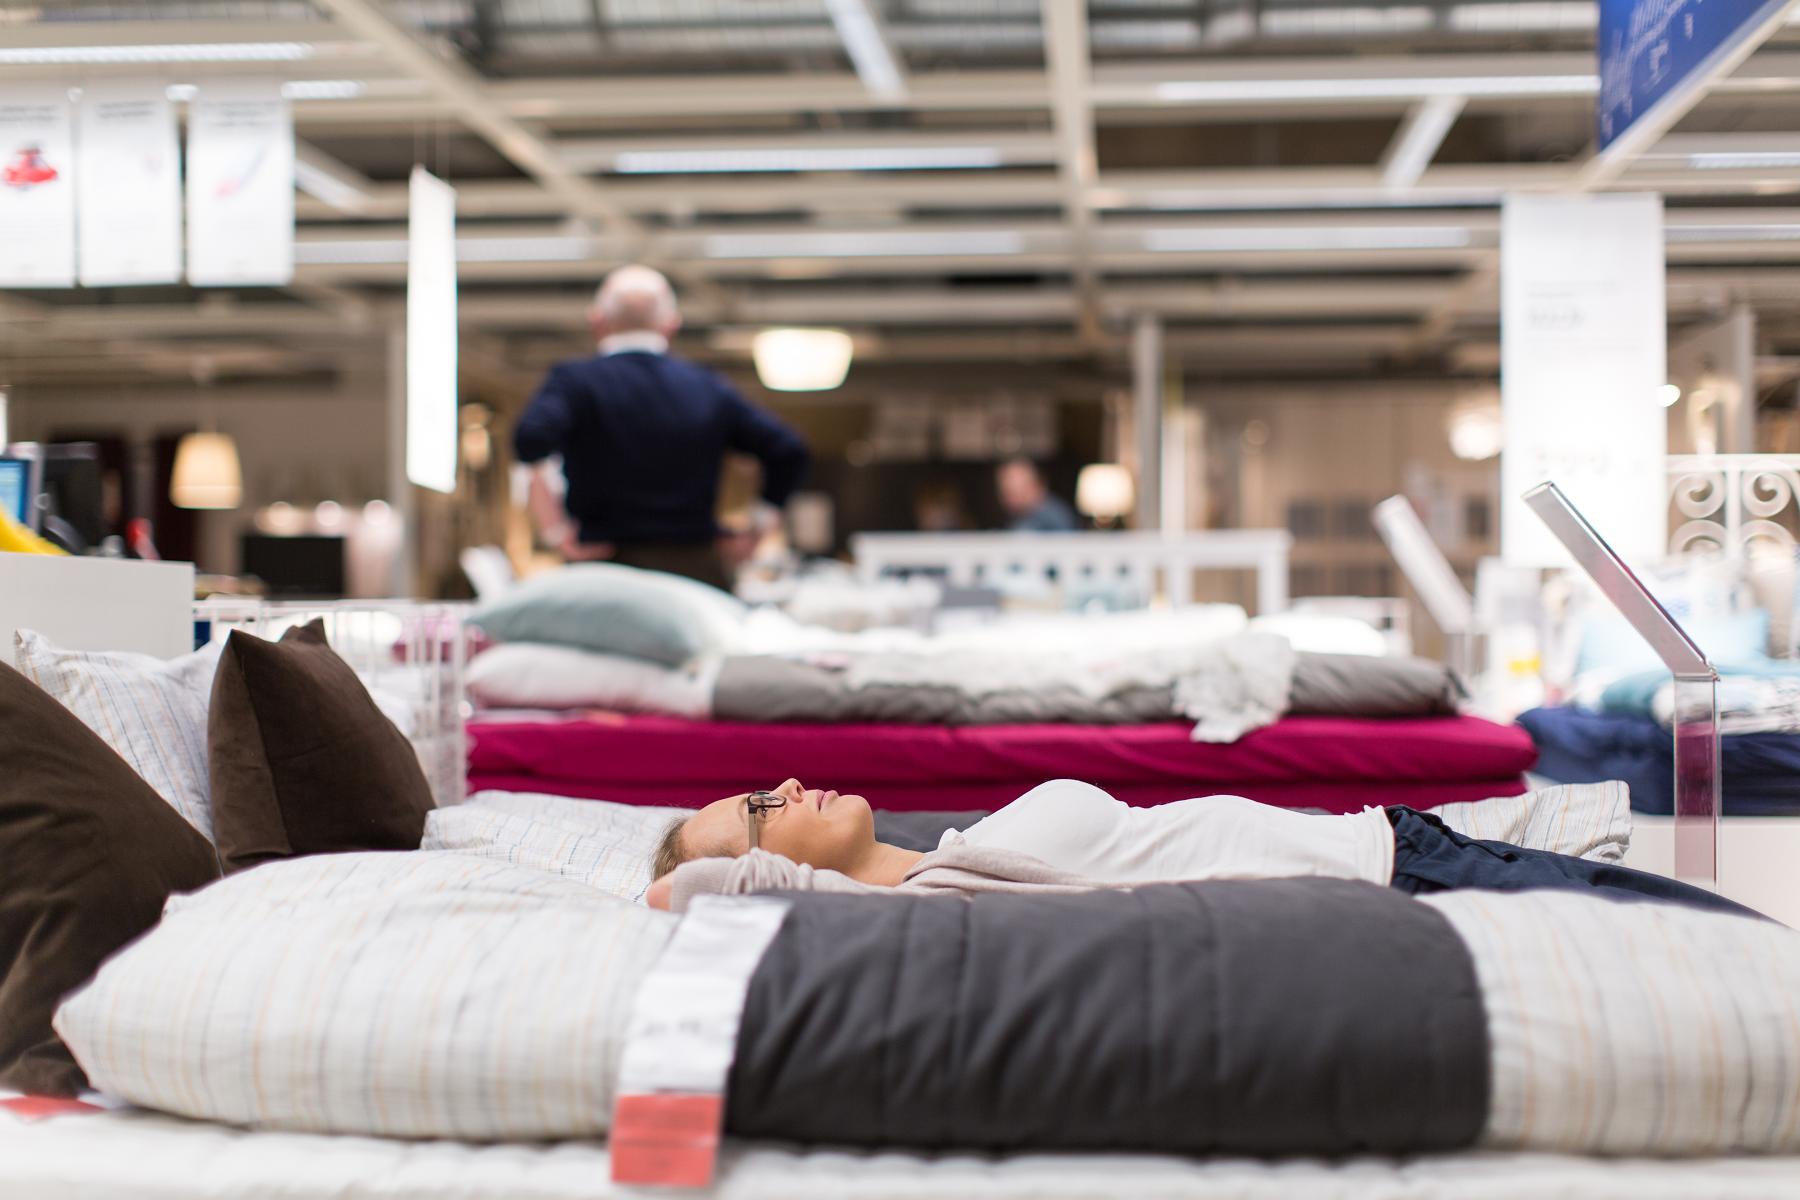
{"x": 140, "y": 1156}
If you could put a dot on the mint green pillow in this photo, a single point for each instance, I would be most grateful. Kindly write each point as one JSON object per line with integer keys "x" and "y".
{"x": 609, "y": 609}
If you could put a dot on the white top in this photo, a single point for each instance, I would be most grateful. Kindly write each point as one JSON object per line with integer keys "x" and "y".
{"x": 646, "y": 340}
{"x": 1076, "y": 827}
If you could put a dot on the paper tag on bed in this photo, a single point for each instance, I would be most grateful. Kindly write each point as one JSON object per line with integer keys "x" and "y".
{"x": 670, "y": 1113}
{"x": 42, "y": 1108}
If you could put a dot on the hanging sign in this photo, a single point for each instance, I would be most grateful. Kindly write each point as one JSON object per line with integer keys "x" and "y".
{"x": 1655, "y": 52}
{"x": 128, "y": 185}
{"x": 240, "y": 185}
{"x": 1583, "y": 349}
{"x": 37, "y": 188}
{"x": 431, "y": 430}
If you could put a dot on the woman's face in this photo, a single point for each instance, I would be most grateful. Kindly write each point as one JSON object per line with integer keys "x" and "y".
{"x": 817, "y": 827}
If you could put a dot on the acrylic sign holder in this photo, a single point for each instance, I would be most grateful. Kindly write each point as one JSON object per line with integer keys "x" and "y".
{"x": 1696, "y": 714}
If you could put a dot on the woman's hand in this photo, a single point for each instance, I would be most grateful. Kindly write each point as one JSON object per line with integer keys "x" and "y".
{"x": 661, "y": 892}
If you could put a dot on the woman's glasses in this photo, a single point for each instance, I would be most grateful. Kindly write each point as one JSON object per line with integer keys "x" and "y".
{"x": 757, "y": 806}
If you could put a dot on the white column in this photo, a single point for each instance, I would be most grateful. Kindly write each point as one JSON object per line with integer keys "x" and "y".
{"x": 1715, "y": 367}
{"x": 399, "y": 487}
{"x": 1147, "y": 414}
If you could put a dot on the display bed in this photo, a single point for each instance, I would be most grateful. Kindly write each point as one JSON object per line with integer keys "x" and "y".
{"x": 1332, "y": 763}
{"x": 1760, "y": 772}
{"x": 142, "y": 1156}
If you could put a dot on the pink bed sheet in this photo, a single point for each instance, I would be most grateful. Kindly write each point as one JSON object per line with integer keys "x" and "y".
{"x": 1334, "y": 763}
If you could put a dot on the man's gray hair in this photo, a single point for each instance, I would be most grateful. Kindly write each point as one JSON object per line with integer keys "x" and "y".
{"x": 636, "y": 298}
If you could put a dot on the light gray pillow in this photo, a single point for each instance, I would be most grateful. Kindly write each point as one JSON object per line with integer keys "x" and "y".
{"x": 610, "y": 609}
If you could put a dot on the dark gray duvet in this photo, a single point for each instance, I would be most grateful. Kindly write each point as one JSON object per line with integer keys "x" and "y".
{"x": 762, "y": 688}
{"x": 1258, "y": 1017}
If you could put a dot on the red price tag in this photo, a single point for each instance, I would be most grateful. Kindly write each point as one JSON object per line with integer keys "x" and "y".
{"x": 669, "y": 1139}
{"x": 41, "y": 1108}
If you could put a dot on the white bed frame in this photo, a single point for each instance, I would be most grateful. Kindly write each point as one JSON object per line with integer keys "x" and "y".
{"x": 418, "y": 649}
{"x": 1146, "y": 561}
{"x": 102, "y": 604}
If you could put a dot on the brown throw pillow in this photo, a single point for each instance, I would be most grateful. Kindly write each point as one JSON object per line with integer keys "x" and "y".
{"x": 88, "y": 854}
{"x": 302, "y": 761}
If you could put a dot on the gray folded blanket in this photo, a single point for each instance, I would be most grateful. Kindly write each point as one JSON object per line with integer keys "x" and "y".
{"x": 762, "y": 688}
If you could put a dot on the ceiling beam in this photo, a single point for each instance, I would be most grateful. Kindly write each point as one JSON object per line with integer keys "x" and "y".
{"x": 1417, "y": 140}
{"x": 1072, "y": 116}
{"x": 878, "y": 62}
{"x": 467, "y": 95}
{"x": 336, "y": 184}
{"x": 813, "y": 150}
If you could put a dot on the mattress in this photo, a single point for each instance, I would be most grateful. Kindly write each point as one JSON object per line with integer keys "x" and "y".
{"x": 1337, "y": 764}
{"x": 140, "y": 1156}
{"x": 1760, "y": 773}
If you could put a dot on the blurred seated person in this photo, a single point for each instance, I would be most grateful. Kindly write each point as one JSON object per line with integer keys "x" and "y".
{"x": 1028, "y": 502}
{"x": 642, "y": 436}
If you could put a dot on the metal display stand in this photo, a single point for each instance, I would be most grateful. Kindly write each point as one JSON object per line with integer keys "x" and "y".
{"x": 1432, "y": 577}
{"x": 1696, "y": 715}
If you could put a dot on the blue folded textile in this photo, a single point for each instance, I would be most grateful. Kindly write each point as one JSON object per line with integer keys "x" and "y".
{"x": 1760, "y": 771}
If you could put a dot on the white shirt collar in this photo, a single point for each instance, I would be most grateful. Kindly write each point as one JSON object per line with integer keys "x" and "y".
{"x": 647, "y": 340}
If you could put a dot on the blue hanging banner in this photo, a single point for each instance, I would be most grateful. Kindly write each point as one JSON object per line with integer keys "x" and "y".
{"x": 1654, "y": 50}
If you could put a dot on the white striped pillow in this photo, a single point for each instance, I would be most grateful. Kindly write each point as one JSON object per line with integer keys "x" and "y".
{"x": 400, "y": 994}
{"x": 1586, "y": 820}
{"x": 150, "y": 711}
{"x": 1633, "y": 1028}
{"x": 606, "y": 846}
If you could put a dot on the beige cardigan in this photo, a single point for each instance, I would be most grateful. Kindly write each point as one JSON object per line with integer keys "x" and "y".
{"x": 953, "y": 871}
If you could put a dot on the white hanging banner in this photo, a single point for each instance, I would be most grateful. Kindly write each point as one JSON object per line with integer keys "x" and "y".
{"x": 37, "y": 187}
{"x": 240, "y": 184}
{"x": 1583, "y": 349}
{"x": 431, "y": 433}
{"x": 128, "y": 185}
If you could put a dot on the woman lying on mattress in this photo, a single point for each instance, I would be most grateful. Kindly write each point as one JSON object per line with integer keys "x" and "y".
{"x": 1065, "y": 835}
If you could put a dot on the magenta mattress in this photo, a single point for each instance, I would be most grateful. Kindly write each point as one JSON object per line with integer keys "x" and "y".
{"x": 1334, "y": 763}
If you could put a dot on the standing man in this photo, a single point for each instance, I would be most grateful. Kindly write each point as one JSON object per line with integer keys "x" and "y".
{"x": 1028, "y": 502}
{"x": 642, "y": 435}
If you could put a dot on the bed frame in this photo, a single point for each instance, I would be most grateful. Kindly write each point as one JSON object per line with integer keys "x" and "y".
{"x": 114, "y": 604}
{"x": 1728, "y": 503}
{"x": 1149, "y": 562}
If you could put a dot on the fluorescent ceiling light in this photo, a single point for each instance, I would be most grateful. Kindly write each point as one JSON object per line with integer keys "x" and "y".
{"x": 1240, "y": 90}
{"x": 1523, "y": 16}
{"x": 323, "y": 89}
{"x": 1209, "y": 241}
{"x": 293, "y": 89}
{"x": 861, "y": 245}
{"x": 867, "y": 45}
{"x": 1347, "y": 19}
{"x": 380, "y": 251}
{"x": 848, "y": 158}
{"x": 1744, "y": 160}
{"x": 1227, "y": 199}
{"x": 169, "y": 53}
